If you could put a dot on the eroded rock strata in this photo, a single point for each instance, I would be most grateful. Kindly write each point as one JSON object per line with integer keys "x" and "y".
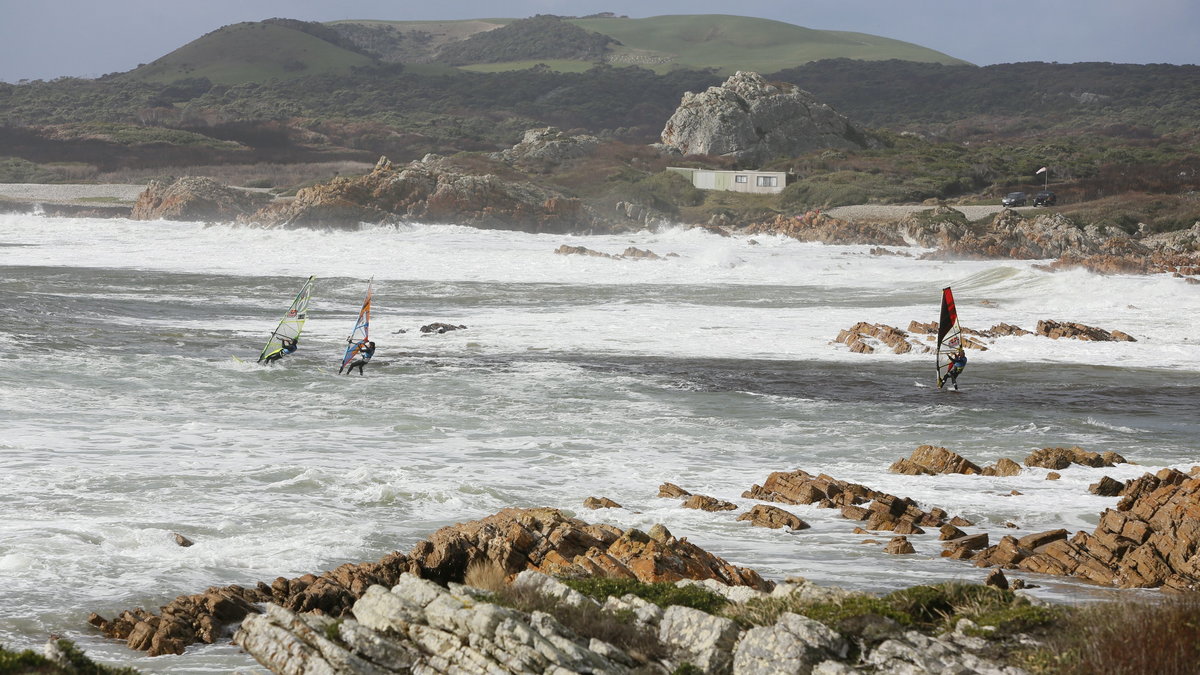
{"x": 879, "y": 510}
{"x": 421, "y": 627}
{"x": 433, "y": 189}
{"x": 512, "y": 540}
{"x": 195, "y": 199}
{"x": 1151, "y": 539}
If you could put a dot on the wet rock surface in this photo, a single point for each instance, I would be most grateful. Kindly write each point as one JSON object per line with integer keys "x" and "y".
{"x": 1149, "y": 540}
{"x": 879, "y": 510}
{"x": 512, "y": 540}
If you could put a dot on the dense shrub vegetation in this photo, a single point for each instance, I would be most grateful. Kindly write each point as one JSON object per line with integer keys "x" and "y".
{"x": 540, "y": 37}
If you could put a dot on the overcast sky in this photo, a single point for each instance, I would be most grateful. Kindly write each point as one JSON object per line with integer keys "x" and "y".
{"x": 45, "y": 39}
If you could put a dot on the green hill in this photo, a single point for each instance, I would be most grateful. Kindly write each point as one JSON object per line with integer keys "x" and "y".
{"x": 730, "y": 43}
{"x": 286, "y": 49}
{"x": 255, "y": 52}
{"x": 724, "y": 42}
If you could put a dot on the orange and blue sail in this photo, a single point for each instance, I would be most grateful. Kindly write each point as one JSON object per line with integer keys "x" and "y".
{"x": 362, "y": 330}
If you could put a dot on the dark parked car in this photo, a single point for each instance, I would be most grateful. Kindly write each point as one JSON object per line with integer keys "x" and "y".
{"x": 1045, "y": 198}
{"x": 1014, "y": 199}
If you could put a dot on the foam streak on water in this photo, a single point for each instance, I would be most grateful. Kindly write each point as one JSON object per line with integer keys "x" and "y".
{"x": 126, "y": 419}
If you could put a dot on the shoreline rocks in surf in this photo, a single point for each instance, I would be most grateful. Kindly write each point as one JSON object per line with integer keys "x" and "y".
{"x": 434, "y": 189}
{"x": 1150, "y": 540}
{"x": 866, "y": 338}
{"x": 513, "y": 540}
{"x": 1007, "y": 235}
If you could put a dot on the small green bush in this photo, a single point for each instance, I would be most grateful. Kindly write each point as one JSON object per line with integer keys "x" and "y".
{"x": 17, "y": 170}
{"x": 28, "y": 661}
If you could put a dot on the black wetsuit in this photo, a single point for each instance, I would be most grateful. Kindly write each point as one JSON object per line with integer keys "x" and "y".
{"x": 288, "y": 346}
{"x": 364, "y": 355}
{"x": 957, "y": 364}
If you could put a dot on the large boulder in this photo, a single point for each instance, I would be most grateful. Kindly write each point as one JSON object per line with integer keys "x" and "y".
{"x": 193, "y": 198}
{"x": 753, "y": 121}
{"x": 433, "y": 189}
{"x": 932, "y": 460}
{"x": 546, "y": 148}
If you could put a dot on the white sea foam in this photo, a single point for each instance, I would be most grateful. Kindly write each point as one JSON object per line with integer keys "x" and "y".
{"x": 126, "y": 419}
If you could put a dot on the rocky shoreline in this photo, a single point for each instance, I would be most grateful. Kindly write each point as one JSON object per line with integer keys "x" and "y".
{"x": 436, "y": 189}
{"x": 430, "y": 610}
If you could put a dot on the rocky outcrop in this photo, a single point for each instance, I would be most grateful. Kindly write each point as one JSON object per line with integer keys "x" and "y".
{"x": 819, "y": 227}
{"x": 441, "y": 327}
{"x": 879, "y": 510}
{"x": 600, "y": 503}
{"x": 1079, "y": 331}
{"x": 752, "y": 121}
{"x": 194, "y": 198}
{"x": 706, "y": 503}
{"x": 433, "y": 189}
{"x": 543, "y": 150}
{"x": 672, "y": 490}
{"x": 1008, "y": 235}
{"x": 765, "y": 515}
{"x": 865, "y": 338}
{"x": 511, "y": 541}
{"x": 933, "y": 460}
{"x": 630, "y": 253}
{"x": 1150, "y": 540}
{"x": 420, "y": 627}
{"x": 1003, "y": 467}
{"x": 899, "y": 546}
{"x": 1061, "y": 458}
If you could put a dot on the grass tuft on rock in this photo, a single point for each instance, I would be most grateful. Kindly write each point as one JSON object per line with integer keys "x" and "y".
{"x": 616, "y": 628}
{"x": 662, "y": 594}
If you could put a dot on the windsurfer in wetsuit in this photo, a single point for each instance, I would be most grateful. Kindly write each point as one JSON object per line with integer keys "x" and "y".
{"x": 287, "y": 346}
{"x": 365, "y": 351}
{"x": 957, "y": 363}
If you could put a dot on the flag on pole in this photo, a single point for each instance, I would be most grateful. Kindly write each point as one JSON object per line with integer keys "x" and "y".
{"x": 1041, "y": 170}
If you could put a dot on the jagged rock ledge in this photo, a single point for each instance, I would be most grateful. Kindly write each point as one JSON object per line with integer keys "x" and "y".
{"x": 865, "y": 338}
{"x": 419, "y": 626}
{"x": 512, "y": 540}
{"x": 1008, "y": 235}
{"x": 1149, "y": 540}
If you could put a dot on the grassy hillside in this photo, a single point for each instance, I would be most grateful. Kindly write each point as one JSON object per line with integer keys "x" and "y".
{"x": 730, "y": 43}
{"x": 724, "y": 42}
{"x": 251, "y": 52}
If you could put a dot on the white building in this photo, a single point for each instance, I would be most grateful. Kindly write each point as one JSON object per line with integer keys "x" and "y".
{"x": 757, "y": 182}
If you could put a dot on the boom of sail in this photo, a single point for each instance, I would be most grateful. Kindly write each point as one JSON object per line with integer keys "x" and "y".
{"x": 949, "y": 336}
{"x": 292, "y": 323}
{"x": 361, "y": 333}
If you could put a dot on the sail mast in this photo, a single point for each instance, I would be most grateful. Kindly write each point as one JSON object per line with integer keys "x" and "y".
{"x": 362, "y": 327}
{"x": 292, "y": 322}
{"x": 949, "y": 336}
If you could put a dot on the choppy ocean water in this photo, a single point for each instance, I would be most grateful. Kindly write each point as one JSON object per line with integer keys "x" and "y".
{"x": 125, "y": 417}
